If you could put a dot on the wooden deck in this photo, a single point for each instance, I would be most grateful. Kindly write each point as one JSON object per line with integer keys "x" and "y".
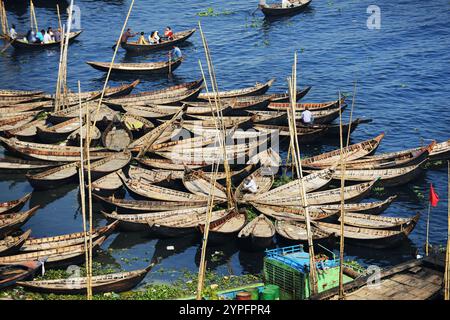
{"x": 420, "y": 279}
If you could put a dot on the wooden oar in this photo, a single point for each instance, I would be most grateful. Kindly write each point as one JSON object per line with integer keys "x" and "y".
{"x": 7, "y": 45}
{"x": 170, "y": 66}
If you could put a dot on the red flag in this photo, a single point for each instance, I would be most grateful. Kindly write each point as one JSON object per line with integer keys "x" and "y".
{"x": 434, "y": 198}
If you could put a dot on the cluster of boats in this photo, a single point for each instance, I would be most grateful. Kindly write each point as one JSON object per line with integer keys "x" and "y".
{"x": 134, "y": 147}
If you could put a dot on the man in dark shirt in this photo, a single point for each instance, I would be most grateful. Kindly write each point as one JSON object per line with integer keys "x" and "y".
{"x": 127, "y": 35}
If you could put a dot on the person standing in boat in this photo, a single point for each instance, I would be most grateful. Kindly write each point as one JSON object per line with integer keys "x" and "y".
{"x": 142, "y": 39}
{"x": 127, "y": 35}
{"x": 12, "y": 32}
{"x": 175, "y": 53}
{"x": 250, "y": 185}
{"x": 306, "y": 117}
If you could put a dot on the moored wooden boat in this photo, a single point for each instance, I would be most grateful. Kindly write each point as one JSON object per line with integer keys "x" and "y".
{"x": 138, "y": 68}
{"x": 117, "y": 136}
{"x": 304, "y": 135}
{"x": 11, "y": 245}
{"x": 276, "y": 10}
{"x": 257, "y": 89}
{"x": 374, "y": 208}
{"x": 199, "y": 184}
{"x": 54, "y": 177}
{"x": 225, "y": 229}
{"x": 178, "y": 37}
{"x": 373, "y": 238}
{"x": 258, "y": 233}
{"x": 108, "y": 184}
{"x": 10, "y": 222}
{"x": 284, "y": 97}
{"x": 14, "y": 205}
{"x": 58, "y": 257}
{"x": 110, "y": 164}
{"x": 26, "y": 132}
{"x": 10, "y": 274}
{"x": 19, "y": 93}
{"x": 65, "y": 240}
{"x": 115, "y": 282}
{"x": 74, "y": 138}
{"x": 58, "y": 132}
{"x": 296, "y": 231}
{"x": 293, "y": 213}
{"x": 377, "y": 222}
{"x": 312, "y": 106}
{"x": 263, "y": 178}
{"x": 16, "y": 121}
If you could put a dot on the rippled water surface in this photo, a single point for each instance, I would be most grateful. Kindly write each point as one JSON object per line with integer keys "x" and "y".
{"x": 402, "y": 84}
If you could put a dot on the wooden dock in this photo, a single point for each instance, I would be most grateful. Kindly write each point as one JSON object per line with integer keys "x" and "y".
{"x": 420, "y": 279}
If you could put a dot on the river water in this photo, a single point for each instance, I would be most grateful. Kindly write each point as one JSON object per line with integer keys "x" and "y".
{"x": 402, "y": 79}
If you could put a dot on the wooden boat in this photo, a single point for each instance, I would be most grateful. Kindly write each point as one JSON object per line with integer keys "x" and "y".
{"x": 149, "y": 112}
{"x": 58, "y": 132}
{"x": 108, "y": 184}
{"x": 66, "y": 240}
{"x": 181, "y": 225}
{"x": 117, "y": 136}
{"x": 312, "y": 106}
{"x": 172, "y": 94}
{"x": 296, "y": 231}
{"x": 26, "y": 132}
{"x": 19, "y": 93}
{"x": 147, "y": 190}
{"x": 16, "y": 121}
{"x": 168, "y": 164}
{"x": 372, "y": 208}
{"x": 235, "y": 104}
{"x": 304, "y": 135}
{"x": 54, "y": 177}
{"x": 351, "y": 193}
{"x": 285, "y": 97}
{"x": 276, "y": 10}
{"x": 140, "y": 206}
{"x": 115, "y": 282}
{"x": 74, "y": 138}
{"x": 293, "y": 213}
{"x": 138, "y": 68}
{"x": 333, "y": 130}
{"x": 104, "y": 113}
{"x": 54, "y": 258}
{"x": 377, "y": 222}
{"x": 353, "y": 152}
{"x": 263, "y": 178}
{"x": 25, "y": 108}
{"x": 199, "y": 184}
{"x": 14, "y": 205}
{"x": 312, "y": 182}
{"x": 178, "y": 37}
{"x": 391, "y": 160}
{"x": 257, "y": 89}
{"x": 387, "y": 177}
{"x": 258, "y": 233}
{"x": 24, "y": 45}
{"x": 440, "y": 151}
{"x": 140, "y": 221}
{"x": 11, "y": 245}
{"x": 10, "y": 222}
{"x": 225, "y": 229}
{"x": 10, "y": 274}
{"x": 207, "y": 122}
{"x": 373, "y": 238}
{"x": 110, "y": 164}
{"x": 47, "y": 152}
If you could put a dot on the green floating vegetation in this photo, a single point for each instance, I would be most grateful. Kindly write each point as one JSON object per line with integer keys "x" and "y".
{"x": 185, "y": 286}
{"x": 433, "y": 164}
{"x": 281, "y": 180}
{"x": 251, "y": 213}
{"x": 379, "y": 191}
{"x": 254, "y": 23}
{"x": 355, "y": 265}
{"x": 210, "y": 12}
{"x": 42, "y": 115}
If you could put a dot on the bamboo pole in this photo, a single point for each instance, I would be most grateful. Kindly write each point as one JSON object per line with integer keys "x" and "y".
{"x": 428, "y": 228}
{"x": 447, "y": 251}
{"x": 33, "y": 17}
{"x": 58, "y": 80}
{"x": 83, "y": 192}
{"x": 59, "y": 17}
{"x": 230, "y": 197}
{"x": 298, "y": 165}
{"x": 3, "y": 18}
{"x": 89, "y": 273}
{"x": 66, "y": 50}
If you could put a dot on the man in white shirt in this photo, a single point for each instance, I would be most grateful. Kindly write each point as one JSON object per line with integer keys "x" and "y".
{"x": 306, "y": 117}
{"x": 250, "y": 185}
{"x": 47, "y": 38}
{"x": 12, "y": 32}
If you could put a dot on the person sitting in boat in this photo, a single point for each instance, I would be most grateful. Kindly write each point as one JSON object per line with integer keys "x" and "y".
{"x": 50, "y": 32}
{"x": 12, "y": 32}
{"x": 250, "y": 185}
{"x": 287, "y": 3}
{"x": 154, "y": 38}
{"x": 31, "y": 37}
{"x": 142, "y": 39}
{"x": 40, "y": 36}
{"x": 57, "y": 35}
{"x": 175, "y": 53}
{"x": 306, "y": 117}
{"x": 47, "y": 37}
{"x": 128, "y": 34}
{"x": 168, "y": 33}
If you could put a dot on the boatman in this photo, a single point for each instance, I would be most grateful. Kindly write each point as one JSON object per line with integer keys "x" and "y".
{"x": 306, "y": 117}
{"x": 127, "y": 35}
{"x": 175, "y": 54}
{"x": 12, "y": 32}
{"x": 250, "y": 185}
